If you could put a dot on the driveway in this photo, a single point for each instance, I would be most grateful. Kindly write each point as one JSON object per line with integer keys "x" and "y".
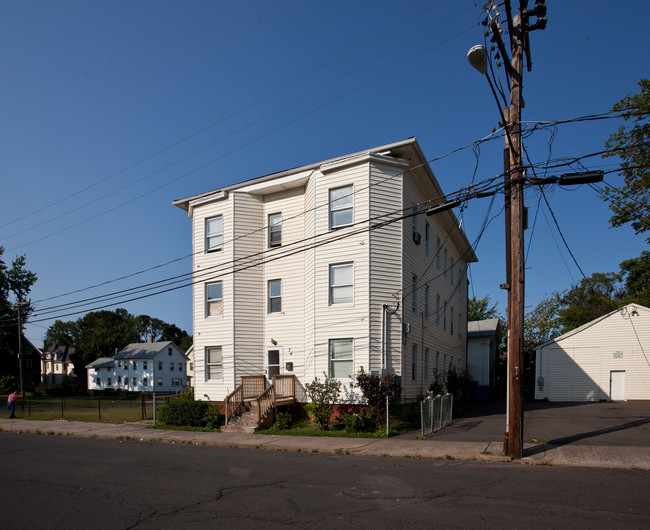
{"x": 602, "y": 423}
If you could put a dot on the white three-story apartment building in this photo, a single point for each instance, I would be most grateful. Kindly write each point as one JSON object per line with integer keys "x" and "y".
{"x": 325, "y": 269}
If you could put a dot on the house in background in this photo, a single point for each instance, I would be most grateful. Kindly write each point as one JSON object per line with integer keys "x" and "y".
{"x": 605, "y": 359}
{"x": 140, "y": 367}
{"x": 329, "y": 268}
{"x": 483, "y": 337}
{"x": 56, "y": 364}
{"x": 189, "y": 355}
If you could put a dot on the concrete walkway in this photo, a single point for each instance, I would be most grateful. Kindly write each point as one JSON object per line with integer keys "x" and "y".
{"x": 405, "y": 446}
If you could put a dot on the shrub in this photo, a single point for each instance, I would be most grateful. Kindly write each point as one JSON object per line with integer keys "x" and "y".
{"x": 323, "y": 396}
{"x": 8, "y": 383}
{"x": 376, "y": 389}
{"x": 436, "y": 388}
{"x": 359, "y": 422}
{"x": 284, "y": 421}
{"x": 213, "y": 418}
{"x": 183, "y": 412}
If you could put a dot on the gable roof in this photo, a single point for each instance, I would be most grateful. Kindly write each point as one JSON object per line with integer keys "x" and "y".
{"x": 102, "y": 362}
{"x": 62, "y": 353}
{"x": 483, "y": 328}
{"x": 143, "y": 350}
{"x": 629, "y": 307}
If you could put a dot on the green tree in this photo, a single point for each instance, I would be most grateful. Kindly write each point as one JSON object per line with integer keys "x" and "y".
{"x": 149, "y": 328}
{"x": 62, "y": 333}
{"x": 479, "y": 309}
{"x": 637, "y": 278}
{"x": 593, "y": 297}
{"x": 15, "y": 284}
{"x": 630, "y": 203}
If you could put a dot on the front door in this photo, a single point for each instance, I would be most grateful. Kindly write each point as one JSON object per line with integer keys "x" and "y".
{"x": 617, "y": 385}
{"x": 273, "y": 362}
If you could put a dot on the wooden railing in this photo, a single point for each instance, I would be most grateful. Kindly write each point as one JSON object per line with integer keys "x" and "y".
{"x": 253, "y": 388}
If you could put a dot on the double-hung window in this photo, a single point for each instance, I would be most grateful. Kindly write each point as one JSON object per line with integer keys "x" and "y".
{"x": 426, "y": 302}
{"x": 341, "y": 354}
{"x": 451, "y": 322}
{"x": 214, "y": 233}
{"x": 415, "y": 294}
{"x": 427, "y": 237}
{"x": 341, "y": 284}
{"x": 341, "y": 206}
{"x": 414, "y": 363}
{"x": 214, "y": 299}
{"x": 213, "y": 363}
{"x": 438, "y": 251}
{"x": 275, "y": 296}
{"x": 275, "y": 230}
{"x": 426, "y": 365}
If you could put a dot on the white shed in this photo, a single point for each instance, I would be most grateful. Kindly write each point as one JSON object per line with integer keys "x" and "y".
{"x": 605, "y": 359}
{"x": 483, "y": 354}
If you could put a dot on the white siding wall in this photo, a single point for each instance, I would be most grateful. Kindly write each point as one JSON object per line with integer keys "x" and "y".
{"x": 478, "y": 360}
{"x": 577, "y": 368}
{"x": 213, "y": 331}
{"x": 452, "y": 291}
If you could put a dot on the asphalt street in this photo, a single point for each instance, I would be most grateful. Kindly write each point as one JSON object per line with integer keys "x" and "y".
{"x": 68, "y": 482}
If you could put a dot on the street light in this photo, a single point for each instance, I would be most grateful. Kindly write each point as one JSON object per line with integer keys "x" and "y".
{"x": 477, "y": 57}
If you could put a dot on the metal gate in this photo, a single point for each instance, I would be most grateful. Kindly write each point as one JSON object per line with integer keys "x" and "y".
{"x": 435, "y": 413}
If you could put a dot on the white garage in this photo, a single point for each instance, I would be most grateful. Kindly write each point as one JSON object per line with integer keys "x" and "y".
{"x": 606, "y": 359}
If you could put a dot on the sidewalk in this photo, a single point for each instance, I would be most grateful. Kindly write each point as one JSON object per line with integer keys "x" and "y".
{"x": 405, "y": 446}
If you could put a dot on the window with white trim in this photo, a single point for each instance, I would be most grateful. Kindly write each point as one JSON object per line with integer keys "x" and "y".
{"x": 438, "y": 251}
{"x": 275, "y": 229}
{"x": 145, "y": 382}
{"x": 438, "y": 310}
{"x": 341, "y": 206}
{"x": 214, "y": 233}
{"x": 160, "y": 381}
{"x": 341, "y": 358}
{"x": 275, "y": 296}
{"x": 213, "y": 363}
{"x": 415, "y": 294}
{"x": 426, "y": 365}
{"x": 213, "y": 300}
{"x": 341, "y": 284}
{"x": 426, "y": 302}
{"x": 159, "y": 365}
{"x": 451, "y": 322}
{"x": 444, "y": 316}
{"x": 414, "y": 363}
{"x": 427, "y": 237}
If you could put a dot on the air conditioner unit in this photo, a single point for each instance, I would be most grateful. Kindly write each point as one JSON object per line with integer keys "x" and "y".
{"x": 417, "y": 237}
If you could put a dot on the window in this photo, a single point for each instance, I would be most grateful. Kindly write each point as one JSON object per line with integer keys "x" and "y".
{"x": 341, "y": 358}
{"x": 176, "y": 382}
{"x": 135, "y": 365}
{"x": 144, "y": 365}
{"x": 426, "y": 365}
{"x": 416, "y": 234}
{"x": 108, "y": 381}
{"x": 134, "y": 382}
{"x": 171, "y": 367}
{"x": 169, "y": 351}
{"x": 414, "y": 363}
{"x": 119, "y": 379}
{"x": 213, "y": 300}
{"x": 275, "y": 296}
{"x": 444, "y": 317}
{"x": 214, "y": 234}
{"x": 426, "y": 302}
{"x": 180, "y": 367}
{"x": 451, "y": 322}
{"x": 145, "y": 382}
{"x": 159, "y": 365}
{"x": 438, "y": 251}
{"x": 119, "y": 363}
{"x": 451, "y": 266}
{"x": 341, "y": 284}
{"x": 29, "y": 363}
{"x": 160, "y": 381}
{"x": 213, "y": 363}
{"x": 445, "y": 271}
{"x": 444, "y": 369}
{"x": 99, "y": 381}
{"x": 191, "y": 366}
{"x": 275, "y": 230}
{"x": 438, "y": 310}
{"x": 341, "y": 206}
{"x": 415, "y": 294}
{"x": 427, "y": 236}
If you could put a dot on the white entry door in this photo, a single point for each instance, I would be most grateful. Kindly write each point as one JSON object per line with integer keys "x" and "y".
{"x": 617, "y": 385}
{"x": 273, "y": 362}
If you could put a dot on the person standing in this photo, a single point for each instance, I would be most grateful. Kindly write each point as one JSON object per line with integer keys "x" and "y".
{"x": 11, "y": 403}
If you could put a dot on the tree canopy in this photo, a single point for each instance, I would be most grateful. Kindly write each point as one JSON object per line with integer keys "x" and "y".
{"x": 630, "y": 203}
{"x": 480, "y": 309}
{"x": 100, "y": 333}
{"x": 15, "y": 284}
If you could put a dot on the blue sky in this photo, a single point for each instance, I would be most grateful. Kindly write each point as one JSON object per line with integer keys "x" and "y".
{"x": 96, "y": 97}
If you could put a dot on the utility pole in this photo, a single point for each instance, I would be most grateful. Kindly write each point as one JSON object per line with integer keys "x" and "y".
{"x": 20, "y": 348}
{"x": 517, "y": 275}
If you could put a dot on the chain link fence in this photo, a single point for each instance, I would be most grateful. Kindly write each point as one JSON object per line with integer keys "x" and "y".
{"x": 110, "y": 409}
{"x": 436, "y": 413}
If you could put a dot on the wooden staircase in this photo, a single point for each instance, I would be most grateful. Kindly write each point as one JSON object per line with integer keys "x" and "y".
{"x": 253, "y": 404}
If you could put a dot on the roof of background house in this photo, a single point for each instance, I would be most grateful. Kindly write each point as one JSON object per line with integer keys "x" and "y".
{"x": 483, "y": 328}
{"x": 102, "y": 362}
{"x": 142, "y": 350}
{"x": 62, "y": 353}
